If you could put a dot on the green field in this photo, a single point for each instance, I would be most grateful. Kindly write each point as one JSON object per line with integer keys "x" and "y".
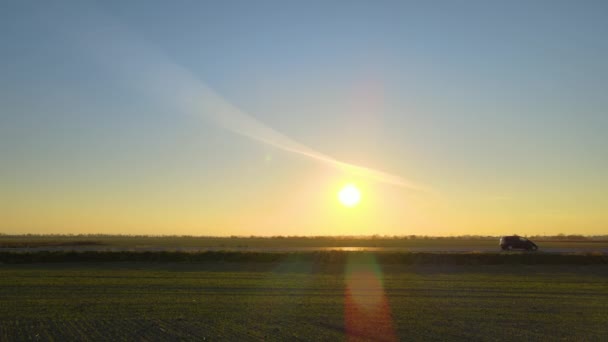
{"x": 302, "y": 300}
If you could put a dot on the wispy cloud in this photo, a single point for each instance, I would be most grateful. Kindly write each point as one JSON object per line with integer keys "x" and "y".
{"x": 151, "y": 72}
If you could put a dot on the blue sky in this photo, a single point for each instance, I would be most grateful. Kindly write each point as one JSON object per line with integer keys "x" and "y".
{"x": 477, "y": 99}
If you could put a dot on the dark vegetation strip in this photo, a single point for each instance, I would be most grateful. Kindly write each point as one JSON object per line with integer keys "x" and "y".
{"x": 33, "y": 244}
{"x": 325, "y": 257}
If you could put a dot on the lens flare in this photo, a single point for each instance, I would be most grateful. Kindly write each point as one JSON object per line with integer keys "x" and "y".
{"x": 367, "y": 314}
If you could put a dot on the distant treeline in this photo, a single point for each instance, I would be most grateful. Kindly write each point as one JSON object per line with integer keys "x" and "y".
{"x": 310, "y": 258}
{"x": 559, "y": 237}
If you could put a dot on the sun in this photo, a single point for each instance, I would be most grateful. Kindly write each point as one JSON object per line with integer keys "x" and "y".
{"x": 349, "y": 195}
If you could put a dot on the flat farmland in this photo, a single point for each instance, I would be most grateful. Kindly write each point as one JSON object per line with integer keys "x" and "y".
{"x": 282, "y": 244}
{"x": 359, "y": 299}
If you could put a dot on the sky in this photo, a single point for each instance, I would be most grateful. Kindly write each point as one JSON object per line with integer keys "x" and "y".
{"x": 248, "y": 117}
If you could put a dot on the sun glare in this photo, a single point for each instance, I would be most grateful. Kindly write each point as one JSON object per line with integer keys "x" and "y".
{"x": 349, "y": 195}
